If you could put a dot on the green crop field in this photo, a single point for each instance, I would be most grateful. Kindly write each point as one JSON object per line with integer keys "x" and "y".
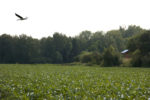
{"x": 60, "y": 82}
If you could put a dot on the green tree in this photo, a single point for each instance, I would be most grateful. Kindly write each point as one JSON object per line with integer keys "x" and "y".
{"x": 58, "y": 57}
{"x": 6, "y": 49}
{"x": 132, "y": 30}
{"x": 136, "y": 58}
{"x": 115, "y": 39}
{"x": 84, "y": 38}
{"x": 90, "y": 57}
{"x": 139, "y": 46}
{"x": 63, "y": 45}
{"x": 97, "y": 42}
{"x": 111, "y": 57}
{"x": 47, "y": 50}
{"x": 26, "y": 49}
{"x": 76, "y": 48}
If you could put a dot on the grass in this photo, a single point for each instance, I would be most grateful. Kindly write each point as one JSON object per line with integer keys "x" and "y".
{"x": 53, "y": 82}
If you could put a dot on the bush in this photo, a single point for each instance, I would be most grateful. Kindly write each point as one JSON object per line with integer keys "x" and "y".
{"x": 136, "y": 58}
{"x": 146, "y": 60}
{"x": 90, "y": 57}
{"x": 111, "y": 57}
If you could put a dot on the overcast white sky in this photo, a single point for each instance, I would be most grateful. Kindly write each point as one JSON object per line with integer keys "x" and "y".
{"x": 70, "y": 17}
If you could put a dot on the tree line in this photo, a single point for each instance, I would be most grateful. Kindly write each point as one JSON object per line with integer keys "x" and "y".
{"x": 97, "y": 47}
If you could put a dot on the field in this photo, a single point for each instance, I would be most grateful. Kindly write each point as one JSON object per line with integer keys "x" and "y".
{"x": 58, "y": 82}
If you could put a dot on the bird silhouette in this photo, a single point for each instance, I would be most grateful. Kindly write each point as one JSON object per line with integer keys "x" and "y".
{"x": 20, "y": 17}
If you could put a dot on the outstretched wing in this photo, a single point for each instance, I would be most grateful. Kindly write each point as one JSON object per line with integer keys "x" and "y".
{"x": 19, "y": 16}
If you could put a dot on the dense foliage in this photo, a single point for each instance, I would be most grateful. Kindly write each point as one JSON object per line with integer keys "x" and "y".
{"x": 57, "y": 82}
{"x": 90, "y": 58}
{"x": 111, "y": 57}
{"x": 63, "y": 49}
{"x": 139, "y": 46}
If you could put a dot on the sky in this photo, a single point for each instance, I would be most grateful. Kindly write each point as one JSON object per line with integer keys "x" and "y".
{"x": 71, "y": 17}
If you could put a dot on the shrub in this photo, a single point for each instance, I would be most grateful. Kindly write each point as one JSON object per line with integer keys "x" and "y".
{"x": 90, "y": 57}
{"x": 136, "y": 58}
{"x": 111, "y": 57}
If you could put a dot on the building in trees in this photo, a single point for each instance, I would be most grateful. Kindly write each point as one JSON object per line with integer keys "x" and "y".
{"x": 125, "y": 53}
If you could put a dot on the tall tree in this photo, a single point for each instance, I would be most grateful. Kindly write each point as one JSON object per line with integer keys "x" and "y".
{"x": 111, "y": 57}
{"x": 6, "y": 49}
{"x": 139, "y": 46}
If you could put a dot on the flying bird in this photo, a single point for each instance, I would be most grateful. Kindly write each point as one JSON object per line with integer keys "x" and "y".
{"x": 20, "y": 17}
